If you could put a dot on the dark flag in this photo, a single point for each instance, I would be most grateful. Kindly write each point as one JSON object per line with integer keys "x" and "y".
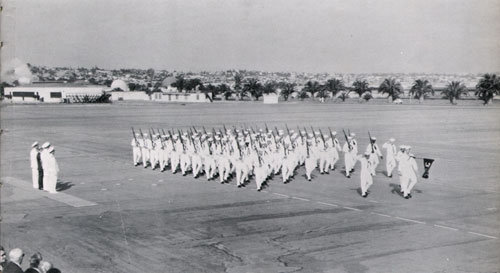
{"x": 427, "y": 165}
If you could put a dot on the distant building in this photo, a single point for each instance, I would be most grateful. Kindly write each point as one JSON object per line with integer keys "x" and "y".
{"x": 54, "y": 92}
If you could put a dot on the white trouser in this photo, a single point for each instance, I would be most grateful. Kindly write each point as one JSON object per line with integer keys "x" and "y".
{"x": 50, "y": 182}
{"x": 390, "y": 164}
{"x": 137, "y": 155}
{"x": 34, "y": 173}
{"x": 366, "y": 181}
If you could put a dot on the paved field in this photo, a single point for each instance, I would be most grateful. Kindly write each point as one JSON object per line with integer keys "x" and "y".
{"x": 112, "y": 217}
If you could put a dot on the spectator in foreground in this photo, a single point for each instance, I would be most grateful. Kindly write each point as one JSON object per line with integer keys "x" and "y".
{"x": 45, "y": 266}
{"x": 3, "y": 258}
{"x": 35, "y": 260}
{"x": 16, "y": 256}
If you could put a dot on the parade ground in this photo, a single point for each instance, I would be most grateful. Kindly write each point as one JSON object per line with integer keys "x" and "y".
{"x": 110, "y": 216}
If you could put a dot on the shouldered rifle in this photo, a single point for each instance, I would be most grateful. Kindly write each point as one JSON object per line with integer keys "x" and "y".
{"x": 182, "y": 142}
{"x": 267, "y": 129}
{"x": 322, "y": 138}
{"x": 172, "y": 140}
{"x": 142, "y": 135}
{"x": 371, "y": 143}
{"x": 204, "y": 131}
{"x": 346, "y": 139}
{"x": 133, "y": 133}
{"x": 151, "y": 138}
{"x": 225, "y": 130}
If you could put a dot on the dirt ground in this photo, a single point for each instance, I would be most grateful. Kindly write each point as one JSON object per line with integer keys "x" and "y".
{"x": 110, "y": 216}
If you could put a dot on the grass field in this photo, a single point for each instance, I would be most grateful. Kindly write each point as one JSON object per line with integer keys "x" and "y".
{"x": 112, "y": 217}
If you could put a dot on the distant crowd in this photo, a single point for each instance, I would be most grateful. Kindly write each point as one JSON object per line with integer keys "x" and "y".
{"x": 14, "y": 263}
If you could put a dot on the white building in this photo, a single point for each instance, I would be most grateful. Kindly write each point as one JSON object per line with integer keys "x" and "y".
{"x": 52, "y": 92}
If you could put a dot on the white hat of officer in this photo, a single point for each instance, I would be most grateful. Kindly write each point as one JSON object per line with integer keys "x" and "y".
{"x": 46, "y": 145}
{"x": 51, "y": 149}
{"x": 34, "y": 144}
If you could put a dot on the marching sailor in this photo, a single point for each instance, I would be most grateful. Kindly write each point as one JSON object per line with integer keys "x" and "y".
{"x": 390, "y": 160}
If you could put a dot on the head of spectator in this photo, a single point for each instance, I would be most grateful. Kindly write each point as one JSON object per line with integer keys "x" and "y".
{"x": 54, "y": 270}
{"x": 16, "y": 255}
{"x": 3, "y": 257}
{"x": 35, "y": 260}
{"x": 45, "y": 266}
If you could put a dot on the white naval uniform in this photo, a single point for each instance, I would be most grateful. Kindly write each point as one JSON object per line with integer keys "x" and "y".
{"x": 50, "y": 171}
{"x": 390, "y": 161}
{"x": 365, "y": 174}
{"x": 136, "y": 151}
{"x": 374, "y": 155}
{"x": 34, "y": 166}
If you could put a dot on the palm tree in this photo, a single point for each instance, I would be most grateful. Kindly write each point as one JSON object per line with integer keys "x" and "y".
{"x": 286, "y": 89}
{"x": 420, "y": 89}
{"x": 269, "y": 88}
{"x": 303, "y": 94}
{"x": 237, "y": 86}
{"x": 225, "y": 90}
{"x": 334, "y": 86}
{"x": 253, "y": 87}
{"x": 453, "y": 91}
{"x": 391, "y": 87}
{"x": 360, "y": 87}
{"x": 487, "y": 87}
{"x": 179, "y": 83}
{"x": 312, "y": 88}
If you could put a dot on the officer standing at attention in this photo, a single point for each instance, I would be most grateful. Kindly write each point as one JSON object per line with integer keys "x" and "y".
{"x": 36, "y": 166}
{"x": 51, "y": 169}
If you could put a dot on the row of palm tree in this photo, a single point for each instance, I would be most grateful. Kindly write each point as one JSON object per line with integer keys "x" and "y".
{"x": 486, "y": 89}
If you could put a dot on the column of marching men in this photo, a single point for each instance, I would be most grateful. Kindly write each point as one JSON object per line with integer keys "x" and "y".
{"x": 242, "y": 153}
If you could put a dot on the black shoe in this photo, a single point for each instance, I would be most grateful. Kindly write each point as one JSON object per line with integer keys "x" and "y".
{"x": 348, "y": 176}
{"x": 364, "y": 195}
{"x": 389, "y": 175}
{"x": 239, "y": 186}
{"x": 407, "y": 197}
{"x": 309, "y": 179}
{"x": 259, "y": 189}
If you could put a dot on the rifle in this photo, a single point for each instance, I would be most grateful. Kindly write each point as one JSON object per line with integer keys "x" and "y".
{"x": 322, "y": 138}
{"x": 133, "y": 133}
{"x": 172, "y": 140}
{"x": 238, "y": 145}
{"x": 267, "y": 129}
{"x": 333, "y": 138}
{"x": 346, "y": 139}
{"x": 225, "y": 130}
{"x": 371, "y": 143}
{"x": 204, "y": 131}
{"x": 289, "y": 136}
{"x": 182, "y": 142}
{"x": 151, "y": 138}
{"x": 196, "y": 131}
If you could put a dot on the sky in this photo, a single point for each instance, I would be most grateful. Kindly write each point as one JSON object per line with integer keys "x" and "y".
{"x": 333, "y": 36}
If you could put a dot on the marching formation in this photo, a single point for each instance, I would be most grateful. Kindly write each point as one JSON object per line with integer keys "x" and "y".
{"x": 243, "y": 153}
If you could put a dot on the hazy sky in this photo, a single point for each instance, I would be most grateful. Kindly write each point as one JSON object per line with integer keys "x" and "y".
{"x": 451, "y": 36}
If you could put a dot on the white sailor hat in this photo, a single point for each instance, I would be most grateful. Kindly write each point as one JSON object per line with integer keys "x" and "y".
{"x": 392, "y": 139}
{"x": 51, "y": 149}
{"x": 145, "y": 134}
{"x": 353, "y": 134}
{"x": 367, "y": 153}
{"x": 302, "y": 132}
{"x": 349, "y": 137}
{"x": 334, "y": 133}
{"x": 292, "y": 131}
{"x": 316, "y": 132}
{"x": 310, "y": 135}
{"x": 280, "y": 132}
{"x": 46, "y": 145}
{"x": 326, "y": 136}
{"x": 373, "y": 138}
{"x": 34, "y": 144}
